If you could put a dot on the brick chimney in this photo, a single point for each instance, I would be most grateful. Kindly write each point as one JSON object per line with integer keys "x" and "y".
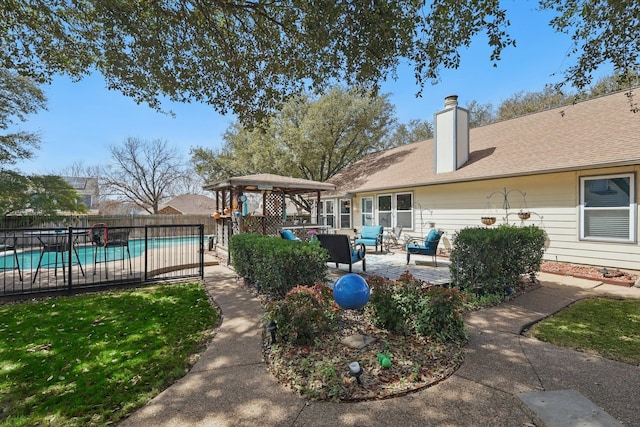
{"x": 451, "y": 136}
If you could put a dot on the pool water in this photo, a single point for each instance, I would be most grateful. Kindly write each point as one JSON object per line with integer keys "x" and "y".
{"x": 29, "y": 259}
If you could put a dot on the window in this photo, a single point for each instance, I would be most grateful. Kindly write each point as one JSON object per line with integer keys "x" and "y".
{"x": 327, "y": 213}
{"x": 395, "y": 210}
{"x": 87, "y": 200}
{"x": 367, "y": 211}
{"x": 404, "y": 210}
{"x": 607, "y": 208}
{"x": 345, "y": 213}
{"x": 384, "y": 210}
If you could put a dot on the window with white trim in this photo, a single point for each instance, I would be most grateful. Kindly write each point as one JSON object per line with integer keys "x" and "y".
{"x": 327, "y": 212}
{"x": 384, "y": 210}
{"x": 404, "y": 211}
{"x": 345, "y": 213}
{"x": 367, "y": 210}
{"x": 608, "y": 208}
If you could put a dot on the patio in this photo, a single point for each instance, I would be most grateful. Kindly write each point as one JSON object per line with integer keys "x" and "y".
{"x": 392, "y": 264}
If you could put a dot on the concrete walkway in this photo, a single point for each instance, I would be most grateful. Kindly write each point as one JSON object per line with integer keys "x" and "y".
{"x": 230, "y": 385}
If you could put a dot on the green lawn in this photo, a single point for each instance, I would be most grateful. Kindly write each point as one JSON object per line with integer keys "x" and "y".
{"x": 93, "y": 359}
{"x": 605, "y": 326}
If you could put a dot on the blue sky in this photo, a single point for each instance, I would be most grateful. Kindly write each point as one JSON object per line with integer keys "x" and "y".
{"x": 84, "y": 118}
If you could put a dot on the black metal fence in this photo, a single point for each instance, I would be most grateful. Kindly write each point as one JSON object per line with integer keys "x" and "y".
{"x": 55, "y": 259}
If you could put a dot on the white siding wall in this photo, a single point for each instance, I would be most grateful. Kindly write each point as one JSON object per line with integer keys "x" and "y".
{"x": 552, "y": 199}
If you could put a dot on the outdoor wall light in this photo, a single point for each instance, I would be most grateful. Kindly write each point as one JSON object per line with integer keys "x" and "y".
{"x": 355, "y": 371}
{"x": 272, "y": 328}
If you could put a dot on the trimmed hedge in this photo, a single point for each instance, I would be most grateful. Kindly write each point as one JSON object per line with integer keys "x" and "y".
{"x": 492, "y": 260}
{"x": 274, "y": 266}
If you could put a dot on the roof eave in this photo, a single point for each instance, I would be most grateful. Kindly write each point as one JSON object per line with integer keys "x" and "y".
{"x": 453, "y": 180}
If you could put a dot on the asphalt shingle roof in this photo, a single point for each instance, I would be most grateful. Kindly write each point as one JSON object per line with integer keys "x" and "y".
{"x": 600, "y": 132}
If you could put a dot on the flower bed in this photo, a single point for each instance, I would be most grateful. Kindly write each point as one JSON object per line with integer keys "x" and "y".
{"x": 611, "y": 276}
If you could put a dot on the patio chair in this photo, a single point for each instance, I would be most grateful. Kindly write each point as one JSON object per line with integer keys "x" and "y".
{"x": 341, "y": 251}
{"x": 8, "y": 243}
{"x": 392, "y": 238}
{"x": 105, "y": 238}
{"x": 430, "y": 246}
{"x": 96, "y": 233}
{"x": 371, "y": 235}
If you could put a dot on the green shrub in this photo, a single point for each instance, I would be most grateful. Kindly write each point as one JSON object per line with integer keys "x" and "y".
{"x": 493, "y": 260}
{"x": 439, "y": 314}
{"x": 274, "y": 266}
{"x": 409, "y": 306}
{"x": 306, "y": 313}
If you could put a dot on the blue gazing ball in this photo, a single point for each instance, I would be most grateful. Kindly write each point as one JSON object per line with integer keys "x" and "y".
{"x": 351, "y": 292}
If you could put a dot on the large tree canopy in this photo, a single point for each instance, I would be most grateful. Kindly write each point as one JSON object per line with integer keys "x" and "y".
{"x": 47, "y": 196}
{"x": 308, "y": 138}
{"x": 250, "y": 56}
{"x": 522, "y": 103}
{"x": 19, "y": 97}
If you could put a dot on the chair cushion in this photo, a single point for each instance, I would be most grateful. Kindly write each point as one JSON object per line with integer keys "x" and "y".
{"x": 370, "y": 232}
{"x": 288, "y": 235}
{"x": 367, "y": 241}
{"x": 433, "y": 235}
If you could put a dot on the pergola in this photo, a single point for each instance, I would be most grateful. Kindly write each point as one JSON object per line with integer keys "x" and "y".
{"x": 230, "y": 196}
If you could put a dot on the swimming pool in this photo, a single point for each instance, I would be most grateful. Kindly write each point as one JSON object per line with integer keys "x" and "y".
{"x": 28, "y": 260}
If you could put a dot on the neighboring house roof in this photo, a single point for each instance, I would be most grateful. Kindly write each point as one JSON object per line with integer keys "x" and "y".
{"x": 188, "y": 204}
{"x": 601, "y": 132}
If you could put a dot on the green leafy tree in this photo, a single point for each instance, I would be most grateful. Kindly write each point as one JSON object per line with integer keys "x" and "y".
{"x": 14, "y": 192}
{"x": 414, "y": 131}
{"x": 616, "y": 82}
{"x": 603, "y": 31}
{"x": 308, "y": 138}
{"x": 250, "y": 57}
{"x": 523, "y": 103}
{"x": 480, "y": 114}
{"x": 52, "y": 196}
{"x": 44, "y": 196}
{"x": 19, "y": 97}
{"x": 144, "y": 173}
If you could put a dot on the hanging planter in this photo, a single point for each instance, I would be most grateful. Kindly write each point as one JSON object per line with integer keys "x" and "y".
{"x": 488, "y": 220}
{"x": 523, "y": 215}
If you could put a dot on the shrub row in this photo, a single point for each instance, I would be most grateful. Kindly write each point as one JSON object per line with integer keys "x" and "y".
{"x": 274, "y": 266}
{"x": 407, "y": 306}
{"x": 305, "y": 314}
{"x": 493, "y": 260}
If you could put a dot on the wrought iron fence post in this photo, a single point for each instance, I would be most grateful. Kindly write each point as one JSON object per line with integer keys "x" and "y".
{"x": 201, "y": 260}
{"x": 146, "y": 251}
{"x": 69, "y": 257}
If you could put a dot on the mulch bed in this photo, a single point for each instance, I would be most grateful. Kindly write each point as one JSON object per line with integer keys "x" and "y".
{"x": 321, "y": 371}
{"x": 609, "y": 275}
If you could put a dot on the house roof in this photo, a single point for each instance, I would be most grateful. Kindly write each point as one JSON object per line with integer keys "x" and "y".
{"x": 191, "y": 204}
{"x": 600, "y": 132}
{"x": 268, "y": 181}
